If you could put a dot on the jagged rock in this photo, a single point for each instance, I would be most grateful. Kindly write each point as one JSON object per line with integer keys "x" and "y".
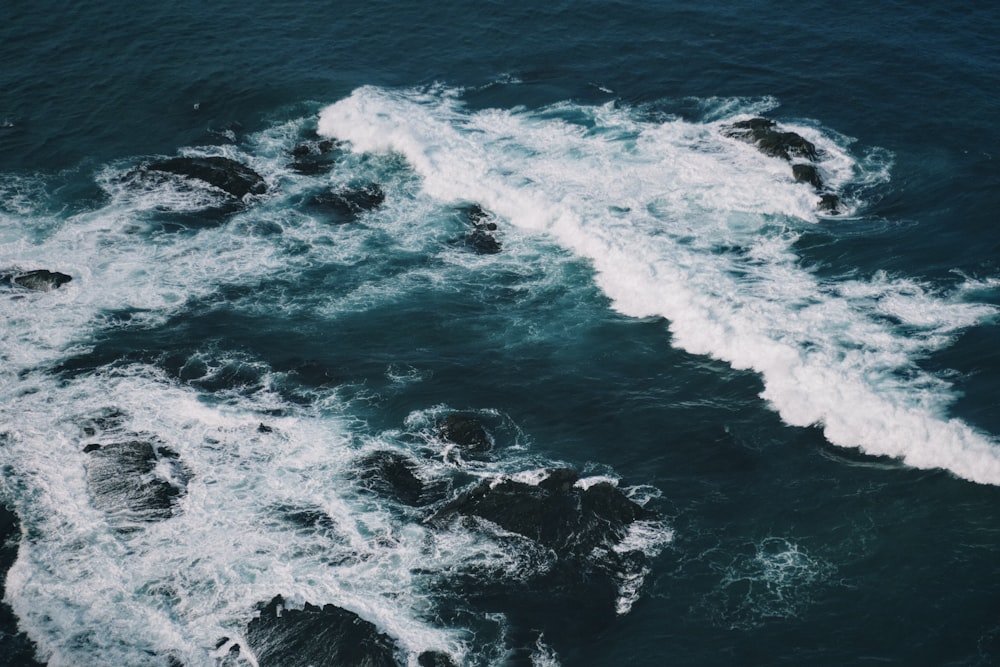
{"x": 39, "y": 280}
{"x": 109, "y": 419}
{"x": 786, "y": 145}
{"x": 392, "y": 474}
{"x": 15, "y": 646}
{"x": 556, "y": 513}
{"x": 829, "y": 202}
{"x": 228, "y": 175}
{"x": 465, "y": 430}
{"x": 313, "y": 157}
{"x": 481, "y": 238}
{"x": 807, "y": 173}
{"x": 482, "y": 242}
{"x": 126, "y": 481}
{"x": 770, "y": 141}
{"x": 347, "y": 203}
{"x": 317, "y": 637}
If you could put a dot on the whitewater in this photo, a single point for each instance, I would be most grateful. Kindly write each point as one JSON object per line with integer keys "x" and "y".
{"x": 682, "y": 222}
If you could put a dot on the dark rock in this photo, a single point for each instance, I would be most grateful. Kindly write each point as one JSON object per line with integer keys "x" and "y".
{"x": 392, "y": 474}
{"x": 770, "y": 141}
{"x": 477, "y": 215}
{"x": 308, "y": 518}
{"x": 228, "y": 175}
{"x": 320, "y": 637}
{"x": 124, "y": 481}
{"x": 313, "y": 157}
{"x": 829, "y": 202}
{"x": 481, "y": 238}
{"x": 482, "y": 242}
{"x": 347, "y": 203}
{"x": 264, "y": 428}
{"x": 314, "y": 374}
{"x": 40, "y": 280}
{"x": 467, "y": 431}
{"x": 15, "y": 646}
{"x": 807, "y": 173}
{"x": 566, "y": 540}
{"x": 109, "y": 419}
{"x": 570, "y": 520}
{"x": 560, "y": 480}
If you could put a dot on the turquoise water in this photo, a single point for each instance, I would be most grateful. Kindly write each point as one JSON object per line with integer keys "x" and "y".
{"x": 806, "y": 400}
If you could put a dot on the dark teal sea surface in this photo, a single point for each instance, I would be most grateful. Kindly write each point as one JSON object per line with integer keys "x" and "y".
{"x": 490, "y": 241}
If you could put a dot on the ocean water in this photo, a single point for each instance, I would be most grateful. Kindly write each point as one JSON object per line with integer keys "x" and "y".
{"x": 805, "y": 402}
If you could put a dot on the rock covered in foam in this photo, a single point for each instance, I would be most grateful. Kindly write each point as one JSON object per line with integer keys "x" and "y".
{"x": 126, "y": 480}
{"x": 392, "y": 474}
{"x": 570, "y": 549}
{"x": 770, "y": 140}
{"x": 345, "y": 204}
{"x": 559, "y": 514}
{"x": 38, "y": 280}
{"x": 228, "y": 175}
{"x": 133, "y": 478}
{"x": 312, "y": 157}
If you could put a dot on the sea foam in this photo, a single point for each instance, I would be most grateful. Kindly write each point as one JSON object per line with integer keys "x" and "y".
{"x": 682, "y": 222}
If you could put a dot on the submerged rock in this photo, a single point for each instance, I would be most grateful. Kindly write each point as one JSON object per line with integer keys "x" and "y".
{"x": 435, "y": 659}
{"x": 567, "y": 544}
{"x": 133, "y": 481}
{"x": 467, "y": 431}
{"x": 39, "y": 280}
{"x": 557, "y": 513}
{"x": 15, "y": 646}
{"x": 230, "y": 176}
{"x": 347, "y": 203}
{"x": 392, "y": 474}
{"x": 313, "y": 157}
{"x": 317, "y": 637}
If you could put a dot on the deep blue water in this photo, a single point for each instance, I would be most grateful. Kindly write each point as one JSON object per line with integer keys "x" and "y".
{"x": 807, "y": 401}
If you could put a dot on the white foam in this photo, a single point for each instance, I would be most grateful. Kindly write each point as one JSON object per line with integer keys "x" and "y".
{"x": 681, "y": 222}
{"x": 778, "y": 580}
{"x": 178, "y": 585}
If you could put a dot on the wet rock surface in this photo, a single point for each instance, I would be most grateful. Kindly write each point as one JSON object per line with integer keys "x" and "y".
{"x": 230, "y": 176}
{"x": 315, "y": 636}
{"x": 467, "y": 431}
{"x": 38, "y": 280}
{"x": 393, "y": 475}
{"x": 125, "y": 480}
{"x": 15, "y": 646}
{"x": 764, "y": 133}
{"x": 556, "y": 513}
{"x": 481, "y": 238}
{"x": 313, "y": 157}
{"x": 346, "y": 204}
{"x": 134, "y": 478}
